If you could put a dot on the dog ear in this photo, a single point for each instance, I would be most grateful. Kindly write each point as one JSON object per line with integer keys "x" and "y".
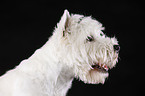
{"x": 63, "y": 23}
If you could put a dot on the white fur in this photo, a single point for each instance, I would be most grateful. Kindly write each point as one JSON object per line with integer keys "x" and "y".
{"x": 67, "y": 54}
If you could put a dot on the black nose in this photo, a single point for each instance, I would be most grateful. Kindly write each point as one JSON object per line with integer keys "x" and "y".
{"x": 116, "y": 48}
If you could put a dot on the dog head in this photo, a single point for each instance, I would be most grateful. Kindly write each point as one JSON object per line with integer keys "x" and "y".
{"x": 86, "y": 48}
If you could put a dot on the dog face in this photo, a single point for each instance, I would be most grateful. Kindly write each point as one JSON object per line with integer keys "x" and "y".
{"x": 90, "y": 52}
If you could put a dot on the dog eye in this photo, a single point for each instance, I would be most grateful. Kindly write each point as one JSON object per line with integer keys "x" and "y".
{"x": 90, "y": 38}
{"x": 102, "y": 34}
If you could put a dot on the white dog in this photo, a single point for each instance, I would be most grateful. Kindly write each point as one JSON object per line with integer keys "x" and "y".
{"x": 78, "y": 48}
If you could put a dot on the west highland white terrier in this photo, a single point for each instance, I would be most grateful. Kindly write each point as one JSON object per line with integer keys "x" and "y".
{"x": 77, "y": 49}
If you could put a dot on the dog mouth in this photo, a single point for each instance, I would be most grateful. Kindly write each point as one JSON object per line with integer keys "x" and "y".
{"x": 100, "y": 67}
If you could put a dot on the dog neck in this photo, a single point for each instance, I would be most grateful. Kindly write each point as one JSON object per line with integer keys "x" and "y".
{"x": 57, "y": 75}
{"x": 64, "y": 81}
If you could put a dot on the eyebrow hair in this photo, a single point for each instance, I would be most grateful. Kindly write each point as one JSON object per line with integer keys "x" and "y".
{"x": 80, "y": 19}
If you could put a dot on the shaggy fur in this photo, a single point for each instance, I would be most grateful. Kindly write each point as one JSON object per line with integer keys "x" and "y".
{"x": 78, "y": 48}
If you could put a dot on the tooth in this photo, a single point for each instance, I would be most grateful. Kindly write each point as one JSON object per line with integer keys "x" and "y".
{"x": 106, "y": 68}
{"x": 103, "y": 65}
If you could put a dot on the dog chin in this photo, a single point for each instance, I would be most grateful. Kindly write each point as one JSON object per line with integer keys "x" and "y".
{"x": 95, "y": 77}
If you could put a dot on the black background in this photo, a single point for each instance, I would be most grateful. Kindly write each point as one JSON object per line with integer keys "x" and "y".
{"x": 26, "y": 26}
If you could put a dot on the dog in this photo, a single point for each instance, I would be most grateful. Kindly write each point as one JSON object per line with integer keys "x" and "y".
{"x": 78, "y": 49}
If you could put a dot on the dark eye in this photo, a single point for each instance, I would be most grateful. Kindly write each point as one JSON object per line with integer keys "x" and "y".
{"x": 101, "y": 34}
{"x": 90, "y": 38}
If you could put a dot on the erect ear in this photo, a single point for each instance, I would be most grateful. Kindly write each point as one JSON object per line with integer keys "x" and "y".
{"x": 63, "y": 23}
